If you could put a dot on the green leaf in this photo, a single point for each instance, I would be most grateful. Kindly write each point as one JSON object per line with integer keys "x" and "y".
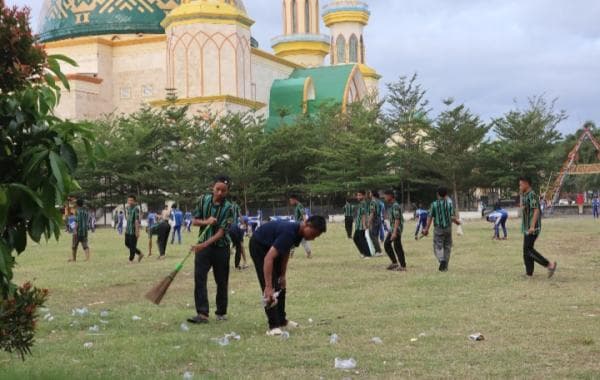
{"x": 19, "y": 238}
{"x": 6, "y": 260}
{"x": 20, "y": 188}
{"x": 69, "y": 156}
{"x": 34, "y": 163}
{"x": 3, "y": 207}
{"x": 57, "y": 172}
{"x": 64, "y": 58}
{"x": 38, "y": 227}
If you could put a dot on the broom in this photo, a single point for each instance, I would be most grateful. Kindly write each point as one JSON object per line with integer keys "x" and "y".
{"x": 156, "y": 294}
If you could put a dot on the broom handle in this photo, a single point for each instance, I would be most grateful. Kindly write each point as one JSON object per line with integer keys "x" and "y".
{"x": 180, "y": 265}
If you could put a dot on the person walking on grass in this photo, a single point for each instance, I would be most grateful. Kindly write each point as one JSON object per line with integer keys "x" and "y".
{"x": 214, "y": 213}
{"x": 531, "y": 228}
{"x": 237, "y": 238}
{"x": 442, "y": 215}
{"x": 360, "y": 226}
{"x": 348, "y": 217}
{"x": 421, "y": 215}
{"x": 80, "y": 232}
{"x": 188, "y": 221}
{"x": 120, "y": 221}
{"x": 299, "y": 217}
{"x": 161, "y": 230}
{"x": 596, "y": 207}
{"x": 374, "y": 221}
{"x": 177, "y": 217}
{"x": 270, "y": 248}
{"x": 152, "y": 220}
{"x": 393, "y": 241}
{"x": 132, "y": 231}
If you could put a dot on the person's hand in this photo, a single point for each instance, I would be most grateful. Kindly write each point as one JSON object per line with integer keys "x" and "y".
{"x": 425, "y": 232}
{"x": 211, "y": 221}
{"x": 531, "y": 231}
{"x": 283, "y": 282}
{"x": 394, "y": 236}
{"x": 269, "y": 295}
{"x": 198, "y": 248}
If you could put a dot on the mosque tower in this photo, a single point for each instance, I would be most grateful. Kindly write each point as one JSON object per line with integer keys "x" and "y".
{"x": 301, "y": 41}
{"x": 346, "y": 20}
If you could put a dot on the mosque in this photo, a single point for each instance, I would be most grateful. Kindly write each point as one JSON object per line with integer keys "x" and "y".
{"x": 133, "y": 52}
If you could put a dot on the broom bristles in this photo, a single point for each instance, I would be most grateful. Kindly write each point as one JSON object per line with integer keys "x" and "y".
{"x": 156, "y": 294}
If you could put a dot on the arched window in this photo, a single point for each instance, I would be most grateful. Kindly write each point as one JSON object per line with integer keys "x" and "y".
{"x": 306, "y": 16}
{"x": 353, "y": 47}
{"x": 362, "y": 50}
{"x": 294, "y": 17}
{"x": 341, "y": 49}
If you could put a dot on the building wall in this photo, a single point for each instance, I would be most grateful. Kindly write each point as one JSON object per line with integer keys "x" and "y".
{"x": 265, "y": 72}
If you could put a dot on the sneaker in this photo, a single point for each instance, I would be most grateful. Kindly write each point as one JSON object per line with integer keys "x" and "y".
{"x": 140, "y": 257}
{"x": 198, "y": 319}
{"x": 366, "y": 257}
{"x": 275, "y": 332}
{"x": 378, "y": 254}
{"x": 443, "y": 266}
{"x": 221, "y": 317}
{"x": 553, "y": 270}
{"x": 292, "y": 325}
{"x": 392, "y": 267}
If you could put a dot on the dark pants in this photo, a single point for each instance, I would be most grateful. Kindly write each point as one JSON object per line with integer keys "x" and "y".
{"x": 531, "y": 256}
{"x": 216, "y": 258}
{"x": 176, "y": 230}
{"x": 497, "y": 228}
{"x": 131, "y": 243}
{"x": 361, "y": 243}
{"x": 276, "y": 315}
{"x": 596, "y": 212}
{"x": 348, "y": 223}
{"x": 374, "y": 231}
{"x": 421, "y": 224}
{"x": 394, "y": 250}
{"x": 237, "y": 239}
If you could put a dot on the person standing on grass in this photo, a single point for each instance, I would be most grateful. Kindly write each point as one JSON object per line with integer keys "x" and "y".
{"x": 360, "y": 226}
{"x": 120, "y": 221}
{"x": 214, "y": 214}
{"x": 348, "y": 218}
{"x": 237, "y": 238}
{"x": 161, "y": 230}
{"x": 374, "y": 222}
{"x": 177, "y": 216}
{"x": 80, "y": 232}
{"x": 596, "y": 207}
{"x": 151, "y": 222}
{"x": 188, "y": 221}
{"x": 132, "y": 232}
{"x": 393, "y": 241}
{"x": 299, "y": 217}
{"x": 442, "y": 215}
{"x": 92, "y": 221}
{"x": 421, "y": 215}
{"x": 270, "y": 248}
{"x": 499, "y": 218}
{"x": 531, "y": 228}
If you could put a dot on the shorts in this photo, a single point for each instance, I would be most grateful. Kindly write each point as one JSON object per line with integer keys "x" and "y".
{"x": 77, "y": 240}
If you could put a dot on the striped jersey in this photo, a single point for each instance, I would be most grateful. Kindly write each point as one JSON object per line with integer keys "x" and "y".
{"x": 133, "y": 216}
{"x": 348, "y": 210}
{"x": 299, "y": 213}
{"x": 361, "y": 211}
{"x": 222, "y": 212}
{"x": 82, "y": 218}
{"x": 394, "y": 214}
{"x": 530, "y": 203}
{"x": 442, "y": 212}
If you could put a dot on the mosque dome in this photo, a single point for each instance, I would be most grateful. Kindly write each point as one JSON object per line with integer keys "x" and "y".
{"x": 62, "y": 19}
{"x": 210, "y": 11}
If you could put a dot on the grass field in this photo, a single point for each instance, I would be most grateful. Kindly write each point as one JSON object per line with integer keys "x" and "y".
{"x": 535, "y": 328}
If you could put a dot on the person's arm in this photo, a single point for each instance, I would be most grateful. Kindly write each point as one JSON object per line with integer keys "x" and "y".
{"x": 272, "y": 254}
{"x": 396, "y": 227}
{"x": 425, "y": 232}
{"x": 213, "y": 239}
{"x": 536, "y": 217}
{"x": 137, "y": 225}
{"x": 197, "y": 216}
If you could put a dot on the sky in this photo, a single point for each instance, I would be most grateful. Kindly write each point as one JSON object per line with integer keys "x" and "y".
{"x": 491, "y": 55}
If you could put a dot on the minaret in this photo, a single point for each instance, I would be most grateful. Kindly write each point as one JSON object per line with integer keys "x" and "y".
{"x": 301, "y": 41}
{"x": 346, "y": 20}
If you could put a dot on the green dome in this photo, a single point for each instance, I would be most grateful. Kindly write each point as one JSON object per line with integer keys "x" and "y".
{"x": 61, "y": 19}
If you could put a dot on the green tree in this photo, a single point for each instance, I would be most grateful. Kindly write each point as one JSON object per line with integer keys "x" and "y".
{"x": 456, "y": 138}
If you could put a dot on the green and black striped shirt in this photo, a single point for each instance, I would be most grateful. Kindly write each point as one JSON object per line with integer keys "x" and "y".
{"x": 133, "y": 215}
{"x": 361, "y": 211}
{"x": 530, "y": 203}
{"x": 348, "y": 210}
{"x": 222, "y": 212}
{"x": 442, "y": 212}
{"x": 237, "y": 212}
{"x": 82, "y": 218}
{"x": 375, "y": 206}
{"x": 395, "y": 213}
{"x": 299, "y": 213}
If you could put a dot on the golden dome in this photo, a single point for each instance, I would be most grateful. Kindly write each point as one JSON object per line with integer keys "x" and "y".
{"x": 211, "y": 11}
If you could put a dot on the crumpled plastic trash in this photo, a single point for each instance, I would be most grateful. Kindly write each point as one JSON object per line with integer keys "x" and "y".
{"x": 345, "y": 363}
{"x": 104, "y": 322}
{"x": 80, "y": 312}
{"x": 44, "y": 310}
{"x": 310, "y": 320}
{"x": 184, "y": 327}
{"x": 104, "y": 314}
{"x": 187, "y": 375}
{"x": 285, "y": 335}
{"x": 136, "y": 318}
{"x": 414, "y": 339}
{"x": 94, "y": 329}
{"x": 88, "y": 345}
{"x": 422, "y": 335}
{"x": 334, "y": 339}
{"x": 377, "y": 340}
{"x": 233, "y": 335}
{"x": 48, "y": 317}
{"x": 476, "y": 337}
{"x": 224, "y": 341}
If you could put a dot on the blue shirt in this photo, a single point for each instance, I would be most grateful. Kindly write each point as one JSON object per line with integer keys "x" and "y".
{"x": 120, "y": 218}
{"x": 188, "y": 216}
{"x": 279, "y": 234}
{"x": 422, "y": 214}
{"x": 596, "y": 203}
{"x": 178, "y": 218}
{"x": 151, "y": 219}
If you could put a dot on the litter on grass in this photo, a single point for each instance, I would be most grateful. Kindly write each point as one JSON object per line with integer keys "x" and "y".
{"x": 188, "y": 375}
{"x": 476, "y": 337}
{"x": 136, "y": 318}
{"x": 285, "y": 335}
{"x": 334, "y": 339}
{"x": 88, "y": 345}
{"x": 184, "y": 327}
{"x": 80, "y": 312}
{"x": 94, "y": 329}
{"x": 104, "y": 313}
{"x": 345, "y": 363}
{"x": 377, "y": 340}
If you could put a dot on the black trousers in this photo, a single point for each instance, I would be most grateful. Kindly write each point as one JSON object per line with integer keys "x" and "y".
{"x": 162, "y": 237}
{"x": 395, "y": 250}
{"x": 276, "y": 315}
{"x": 361, "y": 243}
{"x": 348, "y": 221}
{"x": 216, "y": 258}
{"x": 531, "y": 256}
{"x": 131, "y": 243}
{"x": 237, "y": 239}
{"x": 374, "y": 231}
